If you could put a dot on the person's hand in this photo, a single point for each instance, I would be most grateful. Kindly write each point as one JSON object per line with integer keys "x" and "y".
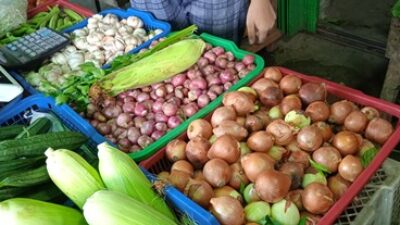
{"x": 260, "y": 19}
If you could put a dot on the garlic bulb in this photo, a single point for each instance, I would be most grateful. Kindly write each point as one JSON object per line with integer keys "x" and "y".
{"x": 97, "y": 17}
{"x": 131, "y": 40}
{"x": 91, "y": 48}
{"x": 139, "y": 32}
{"x": 80, "y": 43}
{"x": 94, "y": 37}
{"x": 80, "y": 32}
{"x": 157, "y": 31}
{"x": 59, "y": 58}
{"x": 110, "y": 31}
{"x": 110, "y": 19}
{"x": 70, "y": 48}
{"x": 134, "y": 22}
{"x": 75, "y": 59}
{"x": 129, "y": 47}
{"x": 119, "y": 44}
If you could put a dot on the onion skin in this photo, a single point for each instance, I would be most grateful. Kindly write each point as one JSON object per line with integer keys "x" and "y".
{"x": 232, "y": 128}
{"x": 238, "y": 176}
{"x": 179, "y": 179}
{"x": 199, "y": 128}
{"x": 378, "y": 130}
{"x": 309, "y": 138}
{"x": 254, "y": 123}
{"x": 175, "y": 150}
{"x": 272, "y": 186}
{"x": 339, "y": 111}
{"x": 318, "y": 111}
{"x": 262, "y": 84}
{"x": 325, "y": 130}
{"x": 183, "y": 166}
{"x": 198, "y": 175}
{"x": 329, "y": 157}
{"x": 217, "y": 172}
{"x": 228, "y": 210}
{"x": 350, "y": 167}
{"x": 228, "y": 191}
{"x": 300, "y": 157}
{"x": 226, "y": 147}
{"x": 370, "y": 112}
{"x": 263, "y": 115}
{"x": 295, "y": 197}
{"x": 200, "y": 192}
{"x": 240, "y": 101}
{"x": 346, "y": 142}
{"x": 356, "y": 121}
{"x": 338, "y": 185}
{"x": 289, "y": 103}
{"x": 312, "y": 92}
{"x": 255, "y": 163}
{"x": 290, "y": 84}
{"x": 196, "y": 151}
{"x": 271, "y": 96}
{"x": 250, "y": 194}
{"x": 317, "y": 198}
{"x": 281, "y": 131}
{"x": 311, "y": 219}
{"x": 295, "y": 171}
{"x": 260, "y": 141}
{"x": 221, "y": 114}
{"x": 273, "y": 73}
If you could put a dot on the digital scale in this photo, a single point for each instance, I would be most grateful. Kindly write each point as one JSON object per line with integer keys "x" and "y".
{"x": 9, "y": 87}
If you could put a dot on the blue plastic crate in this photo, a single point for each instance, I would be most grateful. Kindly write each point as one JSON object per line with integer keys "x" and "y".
{"x": 15, "y": 115}
{"x": 149, "y": 22}
{"x": 9, "y": 105}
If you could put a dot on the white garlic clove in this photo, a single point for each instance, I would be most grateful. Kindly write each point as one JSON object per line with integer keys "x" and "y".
{"x": 98, "y": 16}
{"x": 139, "y": 32}
{"x": 80, "y": 43}
{"x": 110, "y": 31}
{"x": 93, "y": 47}
{"x": 80, "y": 32}
{"x": 129, "y": 47}
{"x": 93, "y": 20}
{"x": 123, "y": 21}
{"x": 119, "y": 45}
{"x": 70, "y": 48}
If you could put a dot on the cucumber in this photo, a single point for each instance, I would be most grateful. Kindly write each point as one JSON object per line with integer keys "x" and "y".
{"x": 37, "y": 145}
{"x": 45, "y": 192}
{"x": 26, "y": 179}
{"x": 39, "y": 126}
{"x": 18, "y": 164}
{"x": 11, "y": 192}
{"x": 11, "y": 131}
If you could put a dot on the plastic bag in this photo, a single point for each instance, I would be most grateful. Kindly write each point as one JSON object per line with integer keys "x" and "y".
{"x": 12, "y": 14}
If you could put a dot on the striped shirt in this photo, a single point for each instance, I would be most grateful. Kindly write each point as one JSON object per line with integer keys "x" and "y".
{"x": 224, "y": 18}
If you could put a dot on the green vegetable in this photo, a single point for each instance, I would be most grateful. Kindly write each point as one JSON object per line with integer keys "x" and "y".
{"x": 257, "y": 211}
{"x": 368, "y": 156}
{"x": 27, "y": 178}
{"x": 319, "y": 167}
{"x": 396, "y": 9}
{"x": 16, "y": 165}
{"x": 154, "y": 68}
{"x": 22, "y": 211}
{"x": 45, "y": 192}
{"x": 285, "y": 213}
{"x": 310, "y": 178}
{"x": 121, "y": 174}
{"x": 11, "y": 192}
{"x": 39, "y": 126}
{"x": 37, "y": 145}
{"x": 108, "y": 207}
{"x": 10, "y": 131}
{"x": 73, "y": 15}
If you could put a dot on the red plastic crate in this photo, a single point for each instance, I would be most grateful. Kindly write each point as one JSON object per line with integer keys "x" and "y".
{"x": 158, "y": 162}
{"x": 63, "y": 4}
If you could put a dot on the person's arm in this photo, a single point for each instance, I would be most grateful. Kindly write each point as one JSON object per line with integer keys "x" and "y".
{"x": 260, "y": 20}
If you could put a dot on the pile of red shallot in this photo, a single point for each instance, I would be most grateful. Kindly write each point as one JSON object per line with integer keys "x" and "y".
{"x": 275, "y": 151}
{"x": 136, "y": 118}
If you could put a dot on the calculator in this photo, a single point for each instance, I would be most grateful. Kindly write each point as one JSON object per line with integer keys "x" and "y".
{"x": 9, "y": 88}
{"x": 30, "y": 51}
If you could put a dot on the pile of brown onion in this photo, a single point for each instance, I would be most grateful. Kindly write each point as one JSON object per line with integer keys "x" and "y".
{"x": 276, "y": 149}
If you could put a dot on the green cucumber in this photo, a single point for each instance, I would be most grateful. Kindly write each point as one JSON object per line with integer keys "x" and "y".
{"x": 26, "y": 179}
{"x": 18, "y": 164}
{"x": 10, "y": 131}
{"x": 45, "y": 192}
{"x": 39, "y": 126}
{"x": 11, "y": 192}
{"x": 37, "y": 145}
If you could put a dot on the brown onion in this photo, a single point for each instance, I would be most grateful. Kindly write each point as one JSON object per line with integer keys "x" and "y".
{"x": 290, "y": 84}
{"x": 356, "y": 121}
{"x": 198, "y": 175}
{"x": 183, "y": 166}
{"x": 329, "y": 157}
{"x": 228, "y": 210}
{"x": 228, "y": 191}
{"x": 255, "y": 163}
{"x": 232, "y": 128}
{"x": 221, "y": 114}
{"x": 295, "y": 197}
{"x": 295, "y": 171}
{"x": 309, "y": 138}
{"x": 175, "y": 150}
{"x": 278, "y": 152}
{"x": 370, "y": 112}
{"x": 273, "y": 73}
{"x": 272, "y": 186}
{"x": 199, "y": 191}
{"x": 317, "y": 198}
{"x": 238, "y": 176}
{"x": 179, "y": 179}
{"x": 318, "y": 111}
{"x": 263, "y": 115}
{"x": 346, "y": 142}
{"x": 260, "y": 141}
{"x": 338, "y": 185}
{"x": 289, "y": 103}
{"x": 300, "y": 157}
{"x": 240, "y": 101}
{"x": 199, "y": 128}
{"x": 293, "y": 146}
{"x": 254, "y": 123}
{"x": 312, "y": 92}
{"x": 226, "y": 147}
{"x": 311, "y": 219}
{"x": 325, "y": 130}
{"x": 196, "y": 151}
{"x": 378, "y": 130}
{"x": 217, "y": 172}
{"x": 252, "y": 93}
{"x": 262, "y": 84}
{"x": 240, "y": 120}
{"x": 350, "y": 167}
{"x": 281, "y": 131}
{"x": 271, "y": 96}
{"x": 340, "y": 110}
{"x": 163, "y": 176}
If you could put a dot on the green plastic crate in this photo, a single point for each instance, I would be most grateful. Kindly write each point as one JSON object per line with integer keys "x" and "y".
{"x": 172, "y": 134}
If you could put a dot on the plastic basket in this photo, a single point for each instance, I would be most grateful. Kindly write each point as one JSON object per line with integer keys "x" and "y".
{"x": 9, "y": 105}
{"x": 61, "y": 3}
{"x": 14, "y": 115}
{"x": 378, "y": 203}
{"x": 148, "y": 20}
{"x": 159, "y": 163}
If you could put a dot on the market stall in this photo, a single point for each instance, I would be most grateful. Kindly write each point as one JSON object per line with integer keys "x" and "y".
{"x": 123, "y": 121}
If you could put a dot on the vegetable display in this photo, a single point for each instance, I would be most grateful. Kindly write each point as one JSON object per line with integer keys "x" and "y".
{"x": 56, "y": 18}
{"x": 261, "y": 159}
{"x": 103, "y": 39}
